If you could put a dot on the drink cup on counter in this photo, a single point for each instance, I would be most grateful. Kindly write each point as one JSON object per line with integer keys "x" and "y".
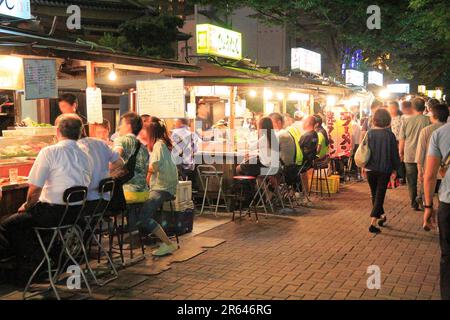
{"x": 13, "y": 175}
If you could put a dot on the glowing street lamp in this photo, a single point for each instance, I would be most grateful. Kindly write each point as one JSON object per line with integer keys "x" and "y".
{"x": 112, "y": 76}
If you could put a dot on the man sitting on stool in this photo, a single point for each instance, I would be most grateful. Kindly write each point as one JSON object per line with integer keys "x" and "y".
{"x": 56, "y": 169}
{"x": 308, "y": 144}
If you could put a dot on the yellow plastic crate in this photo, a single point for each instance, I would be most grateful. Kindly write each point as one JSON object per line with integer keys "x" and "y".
{"x": 333, "y": 184}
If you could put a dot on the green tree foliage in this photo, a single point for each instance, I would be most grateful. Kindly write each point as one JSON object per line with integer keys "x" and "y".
{"x": 413, "y": 41}
{"x": 152, "y": 36}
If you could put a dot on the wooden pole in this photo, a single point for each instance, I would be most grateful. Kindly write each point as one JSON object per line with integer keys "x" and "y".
{"x": 232, "y": 107}
{"x": 90, "y": 74}
{"x": 311, "y": 104}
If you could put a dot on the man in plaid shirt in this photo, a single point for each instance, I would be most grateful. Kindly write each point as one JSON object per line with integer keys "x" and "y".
{"x": 185, "y": 146}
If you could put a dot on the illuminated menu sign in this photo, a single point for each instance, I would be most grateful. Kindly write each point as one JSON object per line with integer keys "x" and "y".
{"x": 217, "y": 41}
{"x": 306, "y": 60}
{"x": 354, "y": 77}
{"x": 15, "y": 8}
{"x": 375, "y": 78}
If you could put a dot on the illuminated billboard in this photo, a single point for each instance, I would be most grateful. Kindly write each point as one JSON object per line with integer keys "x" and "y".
{"x": 398, "y": 87}
{"x": 354, "y": 77}
{"x": 217, "y": 41}
{"x": 375, "y": 78}
{"x": 306, "y": 60}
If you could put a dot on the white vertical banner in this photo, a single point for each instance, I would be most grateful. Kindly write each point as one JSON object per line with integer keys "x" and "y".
{"x": 94, "y": 105}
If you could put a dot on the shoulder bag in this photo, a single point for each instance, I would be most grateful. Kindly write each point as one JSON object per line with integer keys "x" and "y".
{"x": 362, "y": 155}
{"x": 121, "y": 177}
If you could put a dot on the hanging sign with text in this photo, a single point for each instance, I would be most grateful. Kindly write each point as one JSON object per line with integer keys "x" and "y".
{"x": 161, "y": 98}
{"x": 40, "y": 79}
{"x": 15, "y": 8}
{"x": 94, "y": 105}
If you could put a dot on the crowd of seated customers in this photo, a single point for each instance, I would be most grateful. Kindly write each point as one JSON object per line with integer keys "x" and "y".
{"x": 296, "y": 145}
{"x": 77, "y": 160}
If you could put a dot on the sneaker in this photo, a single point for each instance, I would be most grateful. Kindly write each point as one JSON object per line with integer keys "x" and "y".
{"x": 373, "y": 229}
{"x": 164, "y": 250}
{"x": 420, "y": 203}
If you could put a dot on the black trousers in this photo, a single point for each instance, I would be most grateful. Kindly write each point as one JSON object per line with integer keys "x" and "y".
{"x": 378, "y": 182}
{"x": 251, "y": 167}
{"x": 411, "y": 179}
{"x": 17, "y": 237}
{"x": 444, "y": 239}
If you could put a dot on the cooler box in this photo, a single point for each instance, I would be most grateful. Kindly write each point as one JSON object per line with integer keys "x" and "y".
{"x": 333, "y": 184}
{"x": 179, "y": 222}
{"x": 184, "y": 191}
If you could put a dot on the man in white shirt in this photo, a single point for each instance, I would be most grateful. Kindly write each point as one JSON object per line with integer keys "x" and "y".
{"x": 56, "y": 169}
{"x": 102, "y": 159}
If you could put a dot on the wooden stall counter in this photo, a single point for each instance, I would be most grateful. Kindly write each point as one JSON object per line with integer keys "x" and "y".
{"x": 224, "y": 161}
{"x": 12, "y": 196}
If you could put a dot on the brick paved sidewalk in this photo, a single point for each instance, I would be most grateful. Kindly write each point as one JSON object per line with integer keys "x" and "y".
{"x": 320, "y": 254}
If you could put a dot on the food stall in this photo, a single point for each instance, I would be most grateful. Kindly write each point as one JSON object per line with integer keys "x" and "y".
{"x": 233, "y": 93}
{"x": 36, "y": 70}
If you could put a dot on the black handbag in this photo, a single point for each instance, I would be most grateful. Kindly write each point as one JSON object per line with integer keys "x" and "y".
{"x": 121, "y": 177}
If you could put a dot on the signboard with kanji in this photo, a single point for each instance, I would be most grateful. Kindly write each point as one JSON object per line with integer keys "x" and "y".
{"x": 339, "y": 130}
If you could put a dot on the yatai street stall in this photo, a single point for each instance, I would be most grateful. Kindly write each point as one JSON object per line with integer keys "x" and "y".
{"x": 32, "y": 67}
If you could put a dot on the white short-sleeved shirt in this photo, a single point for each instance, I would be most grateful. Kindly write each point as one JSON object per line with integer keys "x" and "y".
{"x": 165, "y": 175}
{"x": 60, "y": 167}
{"x": 101, "y": 155}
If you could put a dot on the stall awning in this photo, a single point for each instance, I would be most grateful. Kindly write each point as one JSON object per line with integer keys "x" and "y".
{"x": 213, "y": 73}
{"x": 19, "y": 42}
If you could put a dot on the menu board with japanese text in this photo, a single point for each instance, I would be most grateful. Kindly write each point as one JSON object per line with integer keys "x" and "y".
{"x": 163, "y": 98}
{"x": 40, "y": 79}
{"x": 94, "y": 105}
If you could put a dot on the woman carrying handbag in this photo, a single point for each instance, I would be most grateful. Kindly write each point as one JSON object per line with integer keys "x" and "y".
{"x": 378, "y": 156}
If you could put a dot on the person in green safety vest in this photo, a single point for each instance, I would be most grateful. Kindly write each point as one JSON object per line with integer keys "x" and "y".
{"x": 296, "y": 136}
{"x": 324, "y": 142}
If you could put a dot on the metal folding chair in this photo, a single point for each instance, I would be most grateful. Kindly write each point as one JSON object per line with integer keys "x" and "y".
{"x": 261, "y": 195}
{"x": 121, "y": 228}
{"x": 206, "y": 173}
{"x": 63, "y": 233}
{"x": 92, "y": 230}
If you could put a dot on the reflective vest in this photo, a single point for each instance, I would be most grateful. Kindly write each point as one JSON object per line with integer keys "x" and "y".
{"x": 323, "y": 146}
{"x": 296, "y": 135}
